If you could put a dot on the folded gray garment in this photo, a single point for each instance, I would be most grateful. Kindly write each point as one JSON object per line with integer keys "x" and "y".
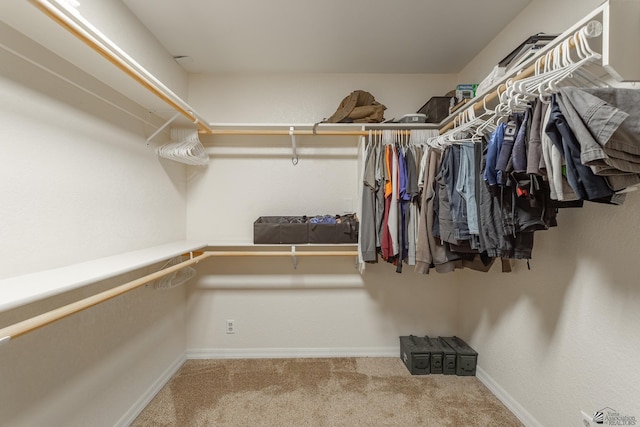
{"x": 606, "y": 122}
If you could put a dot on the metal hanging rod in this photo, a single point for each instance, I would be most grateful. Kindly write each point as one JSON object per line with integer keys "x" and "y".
{"x": 21, "y": 328}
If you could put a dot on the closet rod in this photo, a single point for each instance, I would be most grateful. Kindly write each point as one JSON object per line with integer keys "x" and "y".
{"x": 44, "y": 319}
{"x": 267, "y": 132}
{"x": 492, "y": 96}
{"x": 279, "y": 253}
{"x": 21, "y": 328}
{"x": 99, "y": 43}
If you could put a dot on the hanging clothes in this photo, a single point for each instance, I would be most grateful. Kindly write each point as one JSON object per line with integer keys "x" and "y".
{"x": 386, "y": 240}
{"x": 466, "y": 185}
{"x": 535, "y": 160}
{"x": 393, "y": 219}
{"x": 553, "y": 166}
{"x": 485, "y": 195}
{"x": 582, "y": 180}
{"x": 618, "y": 162}
{"x": 412, "y": 192}
{"x": 368, "y": 214}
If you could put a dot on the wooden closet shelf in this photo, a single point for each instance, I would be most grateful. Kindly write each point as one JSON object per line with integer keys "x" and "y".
{"x": 31, "y": 324}
{"x": 28, "y": 288}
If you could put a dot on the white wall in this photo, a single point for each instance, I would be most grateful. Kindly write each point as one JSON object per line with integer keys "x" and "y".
{"x": 564, "y": 336}
{"x": 547, "y": 16}
{"x": 116, "y": 23}
{"x": 79, "y": 182}
{"x": 77, "y": 171}
{"x": 120, "y": 25}
{"x": 307, "y": 98}
{"x": 96, "y": 367}
{"x": 324, "y": 307}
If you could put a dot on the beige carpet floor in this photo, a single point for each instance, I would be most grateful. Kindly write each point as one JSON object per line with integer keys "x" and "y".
{"x": 320, "y": 392}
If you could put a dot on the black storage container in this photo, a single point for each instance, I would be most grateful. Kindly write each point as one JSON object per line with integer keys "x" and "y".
{"x": 415, "y": 355}
{"x": 303, "y": 229}
{"x": 344, "y": 231}
{"x": 448, "y": 357}
{"x": 466, "y": 357}
{"x": 436, "y": 109}
{"x": 436, "y": 349}
{"x": 280, "y": 229}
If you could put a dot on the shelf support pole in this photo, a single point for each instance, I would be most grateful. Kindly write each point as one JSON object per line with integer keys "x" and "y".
{"x": 161, "y": 128}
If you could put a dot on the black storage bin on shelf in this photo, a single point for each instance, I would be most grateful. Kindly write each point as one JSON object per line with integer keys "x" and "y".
{"x": 436, "y": 109}
{"x": 280, "y": 229}
{"x": 344, "y": 231}
{"x": 303, "y": 229}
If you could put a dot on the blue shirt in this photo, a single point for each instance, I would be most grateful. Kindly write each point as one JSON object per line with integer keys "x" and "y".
{"x": 495, "y": 143}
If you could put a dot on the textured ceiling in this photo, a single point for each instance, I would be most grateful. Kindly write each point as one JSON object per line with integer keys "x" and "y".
{"x": 329, "y": 36}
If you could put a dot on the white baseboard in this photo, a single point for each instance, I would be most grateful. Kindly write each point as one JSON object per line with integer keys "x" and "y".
{"x": 280, "y": 353}
{"x": 144, "y": 400}
{"x": 518, "y": 410}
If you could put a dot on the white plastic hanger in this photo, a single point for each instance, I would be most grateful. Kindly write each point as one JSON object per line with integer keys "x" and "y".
{"x": 185, "y": 148}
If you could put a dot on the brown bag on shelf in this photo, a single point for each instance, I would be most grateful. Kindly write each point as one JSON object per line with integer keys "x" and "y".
{"x": 358, "y": 107}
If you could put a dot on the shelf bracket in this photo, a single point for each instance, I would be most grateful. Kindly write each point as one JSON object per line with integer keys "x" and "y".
{"x": 161, "y": 128}
{"x": 294, "y": 259}
{"x": 294, "y": 155}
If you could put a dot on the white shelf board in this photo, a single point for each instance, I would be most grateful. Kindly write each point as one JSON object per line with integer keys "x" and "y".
{"x": 28, "y": 288}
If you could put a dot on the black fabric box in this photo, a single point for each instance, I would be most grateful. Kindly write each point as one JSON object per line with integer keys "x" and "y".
{"x": 466, "y": 357}
{"x": 344, "y": 232}
{"x": 302, "y": 229}
{"x": 280, "y": 229}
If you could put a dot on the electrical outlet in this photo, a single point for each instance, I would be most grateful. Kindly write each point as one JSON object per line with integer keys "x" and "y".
{"x": 231, "y": 326}
{"x": 347, "y": 204}
{"x": 587, "y": 420}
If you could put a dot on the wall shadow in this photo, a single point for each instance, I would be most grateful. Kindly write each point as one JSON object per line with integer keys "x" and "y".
{"x": 603, "y": 237}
